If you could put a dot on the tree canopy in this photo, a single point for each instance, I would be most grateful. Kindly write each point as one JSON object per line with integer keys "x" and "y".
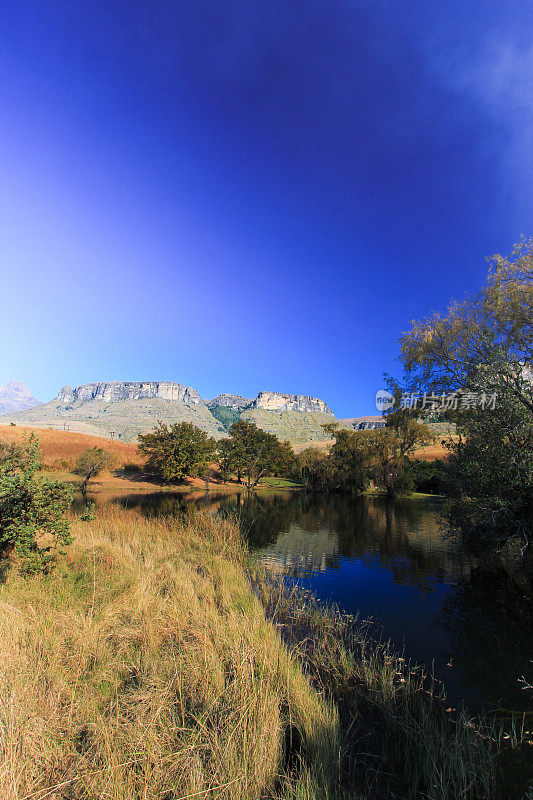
{"x": 253, "y": 453}
{"x": 90, "y": 463}
{"x": 177, "y": 451}
{"x": 480, "y": 341}
{"x": 483, "y": 347}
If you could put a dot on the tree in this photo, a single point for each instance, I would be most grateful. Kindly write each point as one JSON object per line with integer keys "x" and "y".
{"x": 33, "y": 520}
{"x": 176, "y": 451}
{"x": 341, "y": 470}
{"x": 483, "y": 348}
{"x": 485, "y": 340}
{"x": 254, "y": 453}
{"x": 386, "y": 454}
{"x": 347, "y": 461}
{"x": 90, "y": 463}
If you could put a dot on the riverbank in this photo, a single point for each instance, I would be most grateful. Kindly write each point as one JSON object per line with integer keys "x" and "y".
{"x": 146, "y": 666}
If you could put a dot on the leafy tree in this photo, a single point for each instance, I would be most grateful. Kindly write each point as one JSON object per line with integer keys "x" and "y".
{"x": 386, "y": 460}
{"x": 225, "y": 458}
{"x": 480, "y": 341}
{"x": 357, "y": 457}
{"x": 33, "y": 520}
{"x": 90, "y": 463}
{"x": 176, "y": 451}
{"x": 254, "y": 453}
{"x": 347, "y": 456}
{"x": 342, "y": 469}
{"x": 483, "y": 348}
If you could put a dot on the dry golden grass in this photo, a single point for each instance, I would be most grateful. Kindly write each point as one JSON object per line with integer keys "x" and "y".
{"x": 145, "y": 667}
{"x": 61, "y": 448}
{"x": 433, "y": 451}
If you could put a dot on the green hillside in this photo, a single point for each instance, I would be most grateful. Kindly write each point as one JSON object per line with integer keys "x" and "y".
{"x": 125, "y": 419}
{"x": 294, "y": 426}
{"x": 225, "y": 415}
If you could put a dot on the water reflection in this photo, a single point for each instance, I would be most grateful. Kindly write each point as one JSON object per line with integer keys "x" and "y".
{"x": 389, "y": 561}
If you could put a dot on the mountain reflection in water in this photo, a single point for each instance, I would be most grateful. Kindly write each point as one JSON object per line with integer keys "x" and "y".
{"x": 388, "y": 561}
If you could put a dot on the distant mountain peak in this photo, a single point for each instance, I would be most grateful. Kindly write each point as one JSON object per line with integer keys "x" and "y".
{"x": 16, "y": 396}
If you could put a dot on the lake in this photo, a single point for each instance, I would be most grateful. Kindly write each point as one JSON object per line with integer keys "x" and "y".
{"x": 388, "y": 561}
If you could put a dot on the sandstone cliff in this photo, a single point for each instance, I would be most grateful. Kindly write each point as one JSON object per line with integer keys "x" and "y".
{"x": 275, "y": 401}
{"x": 118, "y": 391}
{"x": 123, "y": 409}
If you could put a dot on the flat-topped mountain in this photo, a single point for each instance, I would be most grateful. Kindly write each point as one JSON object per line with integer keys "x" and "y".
{"x": 276, "y": 401}
{"x": 123, "y": 409}
{"x": 118, "y": 391}
{"x": 16, "y": 397}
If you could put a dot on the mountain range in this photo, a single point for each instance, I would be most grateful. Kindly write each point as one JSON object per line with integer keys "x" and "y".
{"x": 123, "y": 409}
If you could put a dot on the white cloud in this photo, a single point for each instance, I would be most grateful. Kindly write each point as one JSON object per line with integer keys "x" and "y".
{"x": 499, "y": 78}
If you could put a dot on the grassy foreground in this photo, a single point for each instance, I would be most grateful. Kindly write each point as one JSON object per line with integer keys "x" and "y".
{"x": 146, "y": 667}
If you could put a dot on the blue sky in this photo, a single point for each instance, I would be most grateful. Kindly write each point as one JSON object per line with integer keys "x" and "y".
{"x": 252, "y": 195}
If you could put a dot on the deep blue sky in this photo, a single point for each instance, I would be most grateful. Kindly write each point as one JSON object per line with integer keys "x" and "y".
{"x": 246, "y": 195}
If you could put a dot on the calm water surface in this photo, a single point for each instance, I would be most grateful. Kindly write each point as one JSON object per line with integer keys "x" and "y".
{"x": 388, "y": 561}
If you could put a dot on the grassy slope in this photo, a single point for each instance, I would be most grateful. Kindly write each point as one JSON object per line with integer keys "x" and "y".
{"x": 61, "y": 448}
{"x": 294, "y": 426}
{"x": 127, "y": 418}
{"x": 145, "y": 667}
{"x": 226, "y": 416}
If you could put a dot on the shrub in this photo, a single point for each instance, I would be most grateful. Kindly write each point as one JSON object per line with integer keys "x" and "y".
{"x": 90, "y": 463}
{"x": 130, "y": 468}
{"x": 32, "y": 511}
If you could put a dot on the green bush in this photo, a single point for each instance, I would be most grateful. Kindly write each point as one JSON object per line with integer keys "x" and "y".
{"x": 33, "y": 521}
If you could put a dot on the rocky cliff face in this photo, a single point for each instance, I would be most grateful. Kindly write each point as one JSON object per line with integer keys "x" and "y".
{"x": 119, "y": 391}
{"x": 16, "y": 397}
{"x": 233, "y": 401}
{"x": 275, "y": 401}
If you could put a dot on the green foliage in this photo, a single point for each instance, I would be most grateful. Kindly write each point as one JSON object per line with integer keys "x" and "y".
{"x": 485, "y": 346}
{"x": 493, "y": 331}
{"x": 342, "y": 469}
{"x": 89, "y": 512}
{"x": 226, "y": 416}
{"x": 490, "y": 474}
{"x": 90, "y": 463}
{"x": 429, "y": 477}
{"x": 177, "y": 451}
{"x": 360, "y": 457}
{"x": 253, "y": 453}
{"x": 32, "y": 511}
